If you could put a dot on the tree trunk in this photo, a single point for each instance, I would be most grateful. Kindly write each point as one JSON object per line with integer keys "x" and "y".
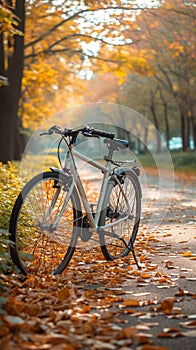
{"x": 158, "y": 136}
{"x": 167, "y": 133}
{"x": 194, "y": 133}
{"x": 145, "y": 138}
{"x": 188, "y": 132}
{"x": 7, "y": 130}
{"x": 2, "y": 70}
{"x": 9, "y": 95}
{"x": 183, "y": 131}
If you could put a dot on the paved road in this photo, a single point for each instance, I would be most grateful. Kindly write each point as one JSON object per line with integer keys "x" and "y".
{"x": 176, "y": 237}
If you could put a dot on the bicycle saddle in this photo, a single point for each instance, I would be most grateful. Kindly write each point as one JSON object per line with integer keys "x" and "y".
{"x": 117, "y": 144}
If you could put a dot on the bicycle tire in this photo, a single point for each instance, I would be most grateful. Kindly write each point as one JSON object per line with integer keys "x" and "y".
{"x": 114, "y": 206}
{"x": 37, "y": 246}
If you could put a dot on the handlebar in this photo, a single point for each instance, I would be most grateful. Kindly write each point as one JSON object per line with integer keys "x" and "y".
{"x": 86, "y": 131}
{"x": 95, "y": 132}
{"x": 57, "y": 130}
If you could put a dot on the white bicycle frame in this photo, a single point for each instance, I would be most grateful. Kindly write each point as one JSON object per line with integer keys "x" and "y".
{"x": 70, "y": 164}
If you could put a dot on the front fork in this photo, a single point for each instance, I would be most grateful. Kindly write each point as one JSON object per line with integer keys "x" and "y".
{"x": 64, "y": 187}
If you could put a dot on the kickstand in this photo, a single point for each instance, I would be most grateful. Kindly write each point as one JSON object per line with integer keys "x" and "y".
{"x": 134, "y": 256}
{"x": 130, "y": 246}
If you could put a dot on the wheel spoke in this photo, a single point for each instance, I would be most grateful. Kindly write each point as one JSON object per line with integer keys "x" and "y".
{"x": 41, "y": 244}
{"x": 121, "y": 215}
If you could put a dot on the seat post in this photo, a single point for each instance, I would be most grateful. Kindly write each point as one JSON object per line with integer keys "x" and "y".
{"x": 110, "y": 153}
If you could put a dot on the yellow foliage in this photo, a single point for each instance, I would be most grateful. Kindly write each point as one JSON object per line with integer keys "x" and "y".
{"x": 55, "y": 59}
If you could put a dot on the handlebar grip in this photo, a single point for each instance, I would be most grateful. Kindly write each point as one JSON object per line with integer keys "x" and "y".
{"x": 102, "y": 133}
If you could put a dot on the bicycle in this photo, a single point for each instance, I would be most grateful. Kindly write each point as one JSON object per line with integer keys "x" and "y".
{"x": 52, "y": 211}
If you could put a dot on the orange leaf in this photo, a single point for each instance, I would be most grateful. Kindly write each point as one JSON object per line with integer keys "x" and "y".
{"x": 131, "y": 302}
{"x": 137, "y": 337}
{"x": 187, "y": 254}
{"x": 152, "y": 347}
{"x": 170, "y": 335}
{"x": 166, "y": 305}
{"x": 63, "y": 294}
{"x": 180, "y": 292}
{"x": 169, "y": 264}
{"x": 85, "y": 309}
{"x": 164, "y": 335}
{"x": 171, "y": 330}
{"x": 3, "y": 331}
{"x": 145, "y": 275}
{"x": 29, "y": 309}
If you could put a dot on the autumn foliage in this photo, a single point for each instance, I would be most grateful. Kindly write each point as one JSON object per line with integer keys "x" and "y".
{"x": 147, "y": 47}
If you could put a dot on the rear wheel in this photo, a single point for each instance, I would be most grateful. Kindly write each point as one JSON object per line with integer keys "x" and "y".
{"x": 121, "y": 210}
{"x": 43, "y": 230}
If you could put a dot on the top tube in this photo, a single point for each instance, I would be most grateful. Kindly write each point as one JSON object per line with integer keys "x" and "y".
{"x": 92, "y": 162}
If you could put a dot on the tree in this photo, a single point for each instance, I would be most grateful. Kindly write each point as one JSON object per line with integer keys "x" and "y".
{"x": 160, "y": 64}
{"x": 12, "y": 69}
{"x": 167, "y": 33}
{"x": 73, "y": 33}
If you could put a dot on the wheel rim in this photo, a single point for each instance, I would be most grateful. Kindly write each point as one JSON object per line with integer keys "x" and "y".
{"x": 41, "y": 242}
{"x": 117, "y": 207}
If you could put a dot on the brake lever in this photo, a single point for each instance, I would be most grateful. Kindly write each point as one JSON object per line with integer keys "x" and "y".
{"x": 50, "y": 131}
{"x": 46, "y": 133}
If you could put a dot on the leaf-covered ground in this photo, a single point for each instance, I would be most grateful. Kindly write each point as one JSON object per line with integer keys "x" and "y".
{"x": 112, "y": 305}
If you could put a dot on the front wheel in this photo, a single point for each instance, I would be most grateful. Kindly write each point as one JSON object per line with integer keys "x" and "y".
{"x": 44, "y": 224}
{"x": 121, "y": 212}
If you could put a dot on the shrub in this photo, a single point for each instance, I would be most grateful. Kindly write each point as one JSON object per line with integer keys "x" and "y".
{"x": 9, "y": 189}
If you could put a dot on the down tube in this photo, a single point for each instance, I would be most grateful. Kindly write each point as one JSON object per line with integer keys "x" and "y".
{"x": 107, "y": 172}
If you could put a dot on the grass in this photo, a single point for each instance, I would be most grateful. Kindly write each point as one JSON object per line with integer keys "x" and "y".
{"x": 182, "y": 161}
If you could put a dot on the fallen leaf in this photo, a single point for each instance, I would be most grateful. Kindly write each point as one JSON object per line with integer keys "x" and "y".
{"x": 145, "y": 275}
{"x": 85, "y": 309}
{"x": 3, "y": 331}
{"x": 97, "y": 344}
{"x": 169, "y": 264}
{"x": 152, "y": 347}
{"x": 131, "y": 302}
{"x": 137, "y": 337}
{"x": 189, "y": 324}
{"x": 13, "y": 321}
{"x": 63, "y": 294}
{"x": 182, "y": 292}
{"x": 27, "y": 308}
{"x": 141, "y": 294}
{"x": 191, "y": 278}
{"x": 191, "y": 333}
{"x": 169, "y": 335}
{"x": 187, "y": 254}
{"x": 171, "y": 330}
{"x": 166, "y": 305}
